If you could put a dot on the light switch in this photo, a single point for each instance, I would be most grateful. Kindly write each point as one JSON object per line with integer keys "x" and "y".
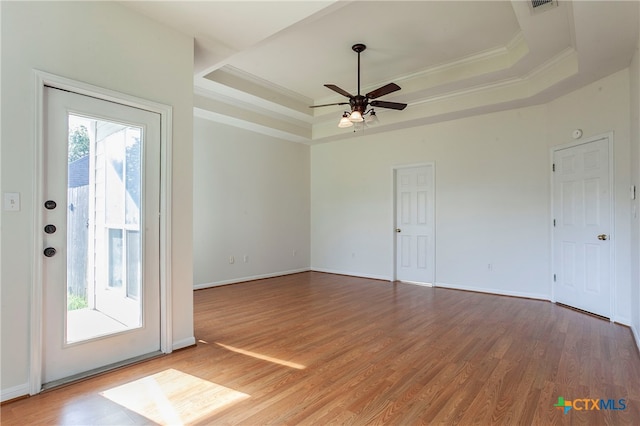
{"x": 12, "y": 201}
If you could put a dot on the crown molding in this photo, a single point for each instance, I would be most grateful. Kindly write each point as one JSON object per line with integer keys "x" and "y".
{"x": 248, "y": 125}
{"x": 229, "y": 95}
{"x": 560, "y": 67}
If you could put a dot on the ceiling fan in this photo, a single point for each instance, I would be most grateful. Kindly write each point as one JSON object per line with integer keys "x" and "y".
{"x": 359, "y": 103}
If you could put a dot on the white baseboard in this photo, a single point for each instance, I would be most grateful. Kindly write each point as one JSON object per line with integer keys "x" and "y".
{"x": 14, "y": 392}
{"x": 617, "y": 319}
{"x": 496, "y": 291}
{"x": 352, "y": 274}
{"x": 251, "y": 278}
{"x": 622, "y": 320}
{"x": 189, "y": 341}
{"x": 636, "y": 335}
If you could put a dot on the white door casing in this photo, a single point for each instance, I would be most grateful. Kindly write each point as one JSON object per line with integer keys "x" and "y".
{"x": 37, "y": 333}
{"x": 583, "y": 225}
{"x": 415, "y": 224}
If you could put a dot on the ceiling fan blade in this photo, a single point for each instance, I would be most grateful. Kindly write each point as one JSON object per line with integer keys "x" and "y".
{"x": 323, "y": 105}
{"x": 389, "y": 88}
{"x": 390, "y": 105}
{"x": 339, "y": 90}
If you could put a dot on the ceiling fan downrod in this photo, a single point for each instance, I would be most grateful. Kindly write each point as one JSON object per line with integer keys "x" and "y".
{"x": 358, "y": 48}
{"x": 358, "y": 103}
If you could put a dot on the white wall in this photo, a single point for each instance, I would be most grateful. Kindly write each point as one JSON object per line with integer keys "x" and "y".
{"x": 107, "y": 45}
{"x": 492, "y": 193}
{"x": 634, "y": 75}
{"x": 251, "y": 198}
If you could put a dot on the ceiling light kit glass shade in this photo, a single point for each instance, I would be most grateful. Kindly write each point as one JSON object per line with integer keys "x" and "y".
{"x": 344, "y": 121}
{"x": 356, "y": 116}
{"x": 372, "y": 118}
{"x": 348, "y": 119}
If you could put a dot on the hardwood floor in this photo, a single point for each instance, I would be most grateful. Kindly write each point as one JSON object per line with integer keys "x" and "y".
{"x": 320, "y": 349}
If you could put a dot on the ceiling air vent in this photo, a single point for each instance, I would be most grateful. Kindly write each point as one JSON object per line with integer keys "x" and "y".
{"x": 538, "y": 6}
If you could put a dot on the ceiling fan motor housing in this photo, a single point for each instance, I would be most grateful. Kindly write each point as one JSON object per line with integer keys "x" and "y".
{"x": 359, "y": 103}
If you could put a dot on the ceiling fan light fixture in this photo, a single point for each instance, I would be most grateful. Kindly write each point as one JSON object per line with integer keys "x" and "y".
{"x": 372, "y": 118}
{"x": 344, "y": 121}
{"x": 356, "y": 116}
{"x": 359, "y": 103}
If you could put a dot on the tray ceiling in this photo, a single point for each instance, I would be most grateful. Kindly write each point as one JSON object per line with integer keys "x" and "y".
{"x": 260, "y": 64}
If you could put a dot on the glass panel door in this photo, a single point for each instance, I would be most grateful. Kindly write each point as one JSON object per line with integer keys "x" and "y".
{"x": 104, "y": 261}
{"x": 101, "y": 282}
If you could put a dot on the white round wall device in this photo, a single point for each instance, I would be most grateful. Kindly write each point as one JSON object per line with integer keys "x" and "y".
{"x": 577, "y": 134}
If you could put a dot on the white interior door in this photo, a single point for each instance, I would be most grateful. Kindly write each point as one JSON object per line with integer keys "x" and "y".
{"x": 415, "y": 225}
{"x": 101, "y": 283}
{"x": 583, "y": 223}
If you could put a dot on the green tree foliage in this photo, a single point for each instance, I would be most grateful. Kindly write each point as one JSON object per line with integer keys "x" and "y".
{"x": 78, "y": 143}
{"x": 76, "y": 302}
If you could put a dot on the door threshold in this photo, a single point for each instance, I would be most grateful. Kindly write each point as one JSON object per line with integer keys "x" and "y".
{"x": 97, "y": 371}
{"x": 424, "y": 284}
{"x": 573, "y": 308}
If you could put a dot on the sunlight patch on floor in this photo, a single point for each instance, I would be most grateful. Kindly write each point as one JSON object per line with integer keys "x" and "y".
{"x": 263, "y": 357}
{"x": 173, "y": 397}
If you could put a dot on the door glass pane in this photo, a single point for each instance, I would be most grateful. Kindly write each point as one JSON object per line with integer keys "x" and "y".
{"x": 104, "y": 270}
{"x": 132, "y": 180}
{"x": 134, "y": 271}
{"x": 113, "y": 142}
{"x": 115, "y": 258}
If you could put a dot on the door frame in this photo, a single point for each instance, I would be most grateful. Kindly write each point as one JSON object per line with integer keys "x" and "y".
{"x": 43, "y": 79}
{"x": 394, "y": 209}
{"x": 612, "y": 221}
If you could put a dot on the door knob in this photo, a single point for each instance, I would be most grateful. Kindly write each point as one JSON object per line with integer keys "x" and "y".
{"x": 602, "y": 237}
{"x": 49, "y": 252}
{"x": 398, "y": 230}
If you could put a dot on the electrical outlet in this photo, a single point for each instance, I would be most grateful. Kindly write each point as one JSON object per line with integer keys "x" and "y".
{"x": 232, "y": 259}
{"x": 246, "y": 258}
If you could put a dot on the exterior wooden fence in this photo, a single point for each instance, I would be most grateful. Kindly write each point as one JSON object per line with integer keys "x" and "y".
{"x": 77, "y": 240}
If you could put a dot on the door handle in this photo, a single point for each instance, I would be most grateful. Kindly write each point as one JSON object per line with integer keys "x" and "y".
{"x": 602, "y": 237}
{"x": 398, "y": 230}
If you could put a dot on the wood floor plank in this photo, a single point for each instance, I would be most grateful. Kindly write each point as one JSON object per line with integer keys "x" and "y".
{"x": 322, "y": 349}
